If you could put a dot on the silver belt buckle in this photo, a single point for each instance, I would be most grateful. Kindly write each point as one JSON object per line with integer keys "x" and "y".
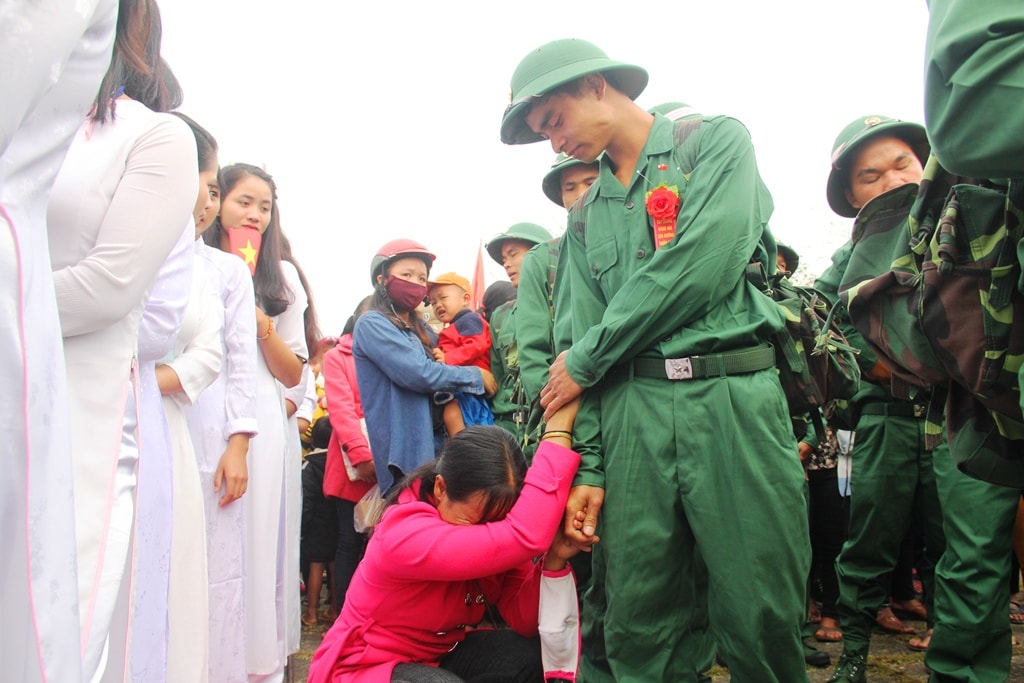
{"x": 920, "y": 410}
{"x": 678, "y": 368}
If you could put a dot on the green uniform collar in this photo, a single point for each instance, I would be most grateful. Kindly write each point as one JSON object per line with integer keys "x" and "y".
{"x": 659, "y": 142}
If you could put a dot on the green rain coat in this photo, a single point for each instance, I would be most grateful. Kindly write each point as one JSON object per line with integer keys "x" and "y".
{"x": 974, "y": 85}
{"x": 678, "y": 459}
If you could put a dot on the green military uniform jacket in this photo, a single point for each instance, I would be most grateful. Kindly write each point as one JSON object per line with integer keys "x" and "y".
{"x": 626, "y": 299}
{"x": 505, "y": 366}
{"x": 974, "y": 86}
{"x": 535, "y": 317}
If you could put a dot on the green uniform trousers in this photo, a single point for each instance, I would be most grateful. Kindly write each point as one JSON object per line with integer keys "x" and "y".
{"x": 972, "y": 639}
{"x": 892, "y": 480}
{"x": 702, "y": 470}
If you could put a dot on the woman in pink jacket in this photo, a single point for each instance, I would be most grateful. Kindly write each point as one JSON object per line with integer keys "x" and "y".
{"x": 462, "y": 534}
{"x": 346, "y": 482}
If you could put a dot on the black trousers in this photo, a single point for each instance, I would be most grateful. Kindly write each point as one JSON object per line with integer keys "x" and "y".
{"x": 829, "y": 524}
{"x": 349, "y": 551}
{"x": 501, "y": 656}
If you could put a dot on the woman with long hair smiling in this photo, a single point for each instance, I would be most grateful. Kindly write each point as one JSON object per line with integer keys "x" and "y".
{"x": 249, "y": 226}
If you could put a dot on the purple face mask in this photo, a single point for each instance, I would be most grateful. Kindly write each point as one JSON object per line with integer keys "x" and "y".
{"x": 404, "y": 295}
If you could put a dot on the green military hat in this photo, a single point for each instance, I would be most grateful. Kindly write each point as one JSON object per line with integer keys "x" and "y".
{"x": 554, "y": 64}
{"x": 552, "y": 183}
{"x": 674, "y": 110}
{"x": 789, "y": 254}
{"x": 852, "y": 137}
{"x": 527, "y": 232}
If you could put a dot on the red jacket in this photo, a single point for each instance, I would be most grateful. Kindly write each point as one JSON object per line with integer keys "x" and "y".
{"x": 345, "y": 412}
{"x": 414, "y": 593}
{"x": 466, "y": 341}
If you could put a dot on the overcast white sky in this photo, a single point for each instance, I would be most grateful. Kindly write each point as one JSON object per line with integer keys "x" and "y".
{"x": 380, "y": 119}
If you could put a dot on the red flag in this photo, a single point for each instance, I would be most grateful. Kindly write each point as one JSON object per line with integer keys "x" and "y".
{"x": 478, "y": 280}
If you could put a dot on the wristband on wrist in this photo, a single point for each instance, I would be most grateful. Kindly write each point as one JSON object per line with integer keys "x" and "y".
{"x": 270, "y": 328}
{"x": 556, "y": 433}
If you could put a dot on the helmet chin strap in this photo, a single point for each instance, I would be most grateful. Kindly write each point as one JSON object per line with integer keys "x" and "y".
{"x": 382, "y": 290}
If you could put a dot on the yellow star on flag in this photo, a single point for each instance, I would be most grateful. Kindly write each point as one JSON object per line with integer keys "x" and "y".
{"x": 248, "y": 253}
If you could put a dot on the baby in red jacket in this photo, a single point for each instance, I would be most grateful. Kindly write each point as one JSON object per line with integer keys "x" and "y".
{"x": 465, "y": 340}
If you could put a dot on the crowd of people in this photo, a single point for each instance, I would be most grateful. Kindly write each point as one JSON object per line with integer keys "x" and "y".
{"x": 593, "y": 476}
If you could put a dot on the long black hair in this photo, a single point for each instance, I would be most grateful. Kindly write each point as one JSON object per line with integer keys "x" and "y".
{"x": 136, "y": 63}
{"x": 480, "y": 459}
{"x": 206, "y": 144}
{"x": 363, "y": 307}
{"x": 310, "y": 320}
{"x": 272, "y": 294}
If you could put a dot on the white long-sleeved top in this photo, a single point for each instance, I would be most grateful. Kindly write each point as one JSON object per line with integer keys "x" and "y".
{"x": 54, "y": 54}
{"x": 119, "y": 205}
{"x": 226, "y": 407}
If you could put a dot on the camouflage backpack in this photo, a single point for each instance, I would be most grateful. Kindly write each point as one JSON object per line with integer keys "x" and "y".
{"x": 816, "y": 364}
{"x": 946, "y": 311}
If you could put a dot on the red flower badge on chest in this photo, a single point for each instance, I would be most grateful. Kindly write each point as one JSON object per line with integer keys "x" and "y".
{"x": 663, "y": 207}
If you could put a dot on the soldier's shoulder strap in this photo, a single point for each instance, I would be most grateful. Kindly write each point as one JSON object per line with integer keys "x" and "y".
{"x": 685, "y": 148}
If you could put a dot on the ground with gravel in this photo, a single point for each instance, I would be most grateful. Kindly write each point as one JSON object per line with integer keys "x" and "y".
{"x": 891, "y": 661}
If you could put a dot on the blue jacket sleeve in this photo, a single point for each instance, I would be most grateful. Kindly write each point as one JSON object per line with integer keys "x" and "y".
{"x": 401, "y": 357}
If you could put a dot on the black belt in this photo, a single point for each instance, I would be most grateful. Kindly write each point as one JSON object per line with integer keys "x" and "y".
{"x": 917, "y": 410}
{"x": 698, "y": 367}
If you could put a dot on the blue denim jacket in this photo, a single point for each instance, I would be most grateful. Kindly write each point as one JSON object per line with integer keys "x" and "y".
{"x": 397, "y": 380}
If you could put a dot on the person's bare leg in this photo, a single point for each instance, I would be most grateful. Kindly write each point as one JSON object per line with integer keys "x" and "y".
{"x": 453, "y": 422}
{"x": 331, "y": 613}
{"x": 316, "y": 584}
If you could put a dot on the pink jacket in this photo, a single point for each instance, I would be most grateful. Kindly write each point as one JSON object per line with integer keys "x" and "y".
{"x": 416, "y": 590}
{"x": 345, "y": 411}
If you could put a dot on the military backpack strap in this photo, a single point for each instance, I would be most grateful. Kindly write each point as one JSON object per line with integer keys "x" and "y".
{"x": 684, "y": 148}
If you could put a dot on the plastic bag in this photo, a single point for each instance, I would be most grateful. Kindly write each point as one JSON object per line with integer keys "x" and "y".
{"x": 368, "y": 510}
{"x": 559, "y": 626}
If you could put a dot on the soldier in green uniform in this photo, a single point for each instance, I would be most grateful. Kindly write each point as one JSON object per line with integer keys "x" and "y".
{"x": 563, "y": 184}
{"x": 892, "y": 479}
{"x": 974, "y": 88}
{"x": 509, "y": 250}
{"x": 684, "y": 428}
{"x": 873, "y": 157}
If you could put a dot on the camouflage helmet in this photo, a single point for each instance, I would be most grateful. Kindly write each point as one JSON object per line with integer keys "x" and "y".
{"x": 554, "y": 64}
{"x": 552, "y": 183}
{"x": 849, "y": 141}
{"x": 525, "y": 232}
{"x": 674, "y": 111}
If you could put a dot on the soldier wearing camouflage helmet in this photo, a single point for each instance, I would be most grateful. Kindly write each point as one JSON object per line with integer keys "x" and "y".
{"x": 669, "y": 342}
